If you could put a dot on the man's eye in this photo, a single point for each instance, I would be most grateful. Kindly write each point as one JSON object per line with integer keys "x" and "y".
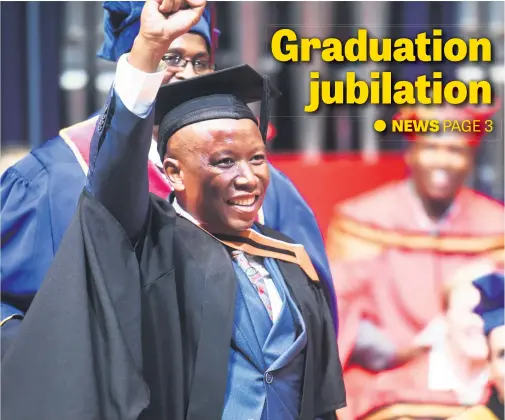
{"x": 172, "y": 59}
{"x": 201, "y": 65}
{"x": 259, "y": 158}
{"x": 225, "y": 162}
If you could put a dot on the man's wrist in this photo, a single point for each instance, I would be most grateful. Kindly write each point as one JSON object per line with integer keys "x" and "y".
{"x": 146, "y": 55}
{"x": 137, "y": 89}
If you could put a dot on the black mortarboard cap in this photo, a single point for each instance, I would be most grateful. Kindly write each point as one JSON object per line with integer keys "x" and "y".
{"x": 218, "y": 95}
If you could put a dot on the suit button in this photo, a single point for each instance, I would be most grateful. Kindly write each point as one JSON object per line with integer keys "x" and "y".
{"x": 269, "y": 378}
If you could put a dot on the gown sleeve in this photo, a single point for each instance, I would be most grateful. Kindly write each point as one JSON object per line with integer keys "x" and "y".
{"x": 27, "y": 243}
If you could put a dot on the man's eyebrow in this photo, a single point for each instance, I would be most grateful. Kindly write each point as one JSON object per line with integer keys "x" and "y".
{"x": 219, "y": 153}
{"x": 202, "y": 54}
{"x": 174, "y": 51}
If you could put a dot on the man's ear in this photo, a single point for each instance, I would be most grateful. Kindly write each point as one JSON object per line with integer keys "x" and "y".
{"x": 174, "y": 173}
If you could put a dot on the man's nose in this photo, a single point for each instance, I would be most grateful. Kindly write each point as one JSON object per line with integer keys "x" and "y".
{"x": 247, "y": 178}
{"x": 441, "y": 159}
{"x": 186, "y": 73}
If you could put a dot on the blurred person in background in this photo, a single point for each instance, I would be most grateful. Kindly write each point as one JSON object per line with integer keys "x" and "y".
{"x": 392, "y": 249}
{"x": 491, "y": 310}
{"x": 40, "y": 193}
{"x": 454, "y": 374}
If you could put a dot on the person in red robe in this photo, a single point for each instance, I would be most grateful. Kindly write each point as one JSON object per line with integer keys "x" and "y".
{"x": 454, "y": 374}
{"x": 392, "y": 250}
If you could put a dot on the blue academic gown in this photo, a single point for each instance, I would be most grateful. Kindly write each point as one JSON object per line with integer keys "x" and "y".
{"x": 40, "y": 194}
{"x": 286, "y": 211}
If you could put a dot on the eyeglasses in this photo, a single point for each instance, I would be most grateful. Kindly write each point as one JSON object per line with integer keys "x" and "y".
{"x": 175, "y": 61}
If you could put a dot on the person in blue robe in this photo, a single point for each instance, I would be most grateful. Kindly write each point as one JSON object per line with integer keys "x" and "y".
{"x": 40, "y": 193}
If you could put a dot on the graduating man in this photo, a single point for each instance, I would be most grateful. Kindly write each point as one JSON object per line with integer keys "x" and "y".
{"x": 40, "y": 193}
{"x": 392, "y": 249}
{"x": 179, "y": 309}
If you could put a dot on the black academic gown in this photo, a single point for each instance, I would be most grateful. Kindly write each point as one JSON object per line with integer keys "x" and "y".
{"x": 122, "y": 332}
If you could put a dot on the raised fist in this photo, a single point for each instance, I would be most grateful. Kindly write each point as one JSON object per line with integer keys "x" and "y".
{"x": 162, "y": 21}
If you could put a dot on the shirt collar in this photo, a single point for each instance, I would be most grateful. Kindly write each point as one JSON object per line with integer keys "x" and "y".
{"x": 181, "y": 212}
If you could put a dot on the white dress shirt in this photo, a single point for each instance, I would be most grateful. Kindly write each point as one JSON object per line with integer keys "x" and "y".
{"x": 137, "y": 90}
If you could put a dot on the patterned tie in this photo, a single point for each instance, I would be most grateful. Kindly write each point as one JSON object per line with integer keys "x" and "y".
{"x": 255, "y": 277}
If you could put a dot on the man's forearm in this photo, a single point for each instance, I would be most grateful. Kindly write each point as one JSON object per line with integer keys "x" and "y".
{"x": 120, "y": 146}
{"x": 118, "y": 172}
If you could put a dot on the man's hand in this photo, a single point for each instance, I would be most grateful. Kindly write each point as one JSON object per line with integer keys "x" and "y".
{"x": 161, "y": 22}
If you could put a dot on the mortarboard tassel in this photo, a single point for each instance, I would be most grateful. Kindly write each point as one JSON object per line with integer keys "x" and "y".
{"x": 214, "y": 33}
{"x": 264, "y": 110}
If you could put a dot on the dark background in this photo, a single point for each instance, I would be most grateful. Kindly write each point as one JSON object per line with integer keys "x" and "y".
{"x": 51, "y": 77}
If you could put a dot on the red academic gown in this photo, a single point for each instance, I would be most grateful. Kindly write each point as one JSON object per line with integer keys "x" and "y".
{"x": 403, "y": 394}
{"x": 78, "y": 138}
{"x": 389, "y": 266}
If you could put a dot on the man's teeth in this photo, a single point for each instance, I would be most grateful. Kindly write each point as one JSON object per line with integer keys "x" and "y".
{"x": 244, "y": 202}
{"x": 440, "y": 178}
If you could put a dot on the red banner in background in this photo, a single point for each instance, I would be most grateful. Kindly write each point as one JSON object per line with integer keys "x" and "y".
{"x": 336, "y": 177}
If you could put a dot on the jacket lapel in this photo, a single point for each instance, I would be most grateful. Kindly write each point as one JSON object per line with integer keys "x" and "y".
{"x": 248, "y": 336}
{"x": 288, "y": 335}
